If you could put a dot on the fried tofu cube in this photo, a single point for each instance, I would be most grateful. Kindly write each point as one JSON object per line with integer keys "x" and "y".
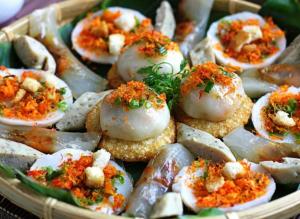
{"x": 101, "y": 158}
{"x": 94, "y": 177}
{"x": 31, "y": 85}
{"x": 247, "y": 35}
{"x": 214, "y": 184}
{"x": 254, "y": 31}
{"x": 232, "y": 170}
{"x": 282, "y": 118}
{"x": 49, "y": 80}
{"x": 116, "y": 43}
{"x": 168, "y": 205}
{"x": 19, "y": 96}
{"x": 126, "y": 22}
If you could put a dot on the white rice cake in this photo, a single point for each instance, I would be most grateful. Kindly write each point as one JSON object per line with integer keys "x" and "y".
{"x": 17, "y": 155}
{"x": 75, "y": 116}
{"x": 286, "y": 172}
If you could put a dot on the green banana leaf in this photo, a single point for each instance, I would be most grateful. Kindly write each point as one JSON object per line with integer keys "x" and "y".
{"x": 59, "y": 194}
{"x": 7, "y": 171}
{"x": 208, "y": 212}
{"x": 285, "y": 13}
{"x": 8, "y": 57}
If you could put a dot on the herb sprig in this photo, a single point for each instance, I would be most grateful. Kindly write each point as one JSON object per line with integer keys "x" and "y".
{"x": 165, "y": 83}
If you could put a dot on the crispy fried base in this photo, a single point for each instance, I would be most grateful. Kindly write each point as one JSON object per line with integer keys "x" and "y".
{"x": 114, "y": 79}
{"x": 92, "y": 123}
{"x": 133, "y": 151}
{"x": 220, "y": 129}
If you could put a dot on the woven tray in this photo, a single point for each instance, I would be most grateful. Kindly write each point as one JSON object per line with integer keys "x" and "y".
{"x": 47, "y": 208}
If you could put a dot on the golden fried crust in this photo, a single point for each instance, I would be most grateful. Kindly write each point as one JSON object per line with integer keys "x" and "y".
{"x": 92, "y": 123}
{"x": 114, "y": 79}
{"x": 220, "y": 129}
{"x": 133, "y": 151}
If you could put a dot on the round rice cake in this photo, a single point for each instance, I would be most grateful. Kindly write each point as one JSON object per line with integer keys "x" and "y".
{"x": 220, "y": 129}
{"x": 133, "y": 151}
{"x": 114, "y": 79}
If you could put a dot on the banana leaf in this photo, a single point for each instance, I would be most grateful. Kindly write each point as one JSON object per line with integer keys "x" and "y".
{"x": 59, "y": 194}
{"x": 7, "y": 171}
{"x": 285, "y": 13}
{"x": 8, "y": 56}
{"x": 208, "y": 212}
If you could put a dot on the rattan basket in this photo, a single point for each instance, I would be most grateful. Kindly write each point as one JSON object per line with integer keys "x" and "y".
{"x": 45, "y": 207}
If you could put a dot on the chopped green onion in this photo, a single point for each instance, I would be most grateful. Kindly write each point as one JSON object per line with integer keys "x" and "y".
{"x": 137, "y": 22}
{"x": 226, "y": 73}
{"x": 120, "y": 178}
{"x": 43, "y": 83}
{"x": 209, "y": 86}
{"x": 62, "y": 91}
{"x": 63, "y": 106}
{"x": 118, "y": 101}
{"x": 134, "y": 104}
{"x": 142, "y": 102}
{"x": 227, "y": 22}
{"x": 148, "y": 105}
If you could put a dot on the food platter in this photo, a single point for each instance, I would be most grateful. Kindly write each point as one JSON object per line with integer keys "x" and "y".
{"x": 143, "y": 142}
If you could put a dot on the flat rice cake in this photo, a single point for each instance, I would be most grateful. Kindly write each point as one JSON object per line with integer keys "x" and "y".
{"x": 75, "y": 117}
{"x": 114, "y": 79}
{"x": 132, "y": 151}
{"x": 220, "y": 129}
{"x": 286, "y": 172}
{"x": 203, "y": 144}
{"x": 17, "y": 155}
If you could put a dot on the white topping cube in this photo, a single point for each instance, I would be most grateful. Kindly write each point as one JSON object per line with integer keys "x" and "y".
{"x": 50, "y": 80}
{"x": 213, "y": 185}
{"x": 282, "y": 118}
{"x": 232, "y": 170}
{"x": 31, "y": 85}
{"x": 94, "y": 177}
{"x": 126, "y": 22}
{"x": 101, "y": 158}
{"x": 116, "y": 43}
{"x": 247, "y": 35}
{"x": 51, "y": 95}
{"x": 167, "y": 206}
{"x": 254, "y": 31}
{"x": 19, "y": 96}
